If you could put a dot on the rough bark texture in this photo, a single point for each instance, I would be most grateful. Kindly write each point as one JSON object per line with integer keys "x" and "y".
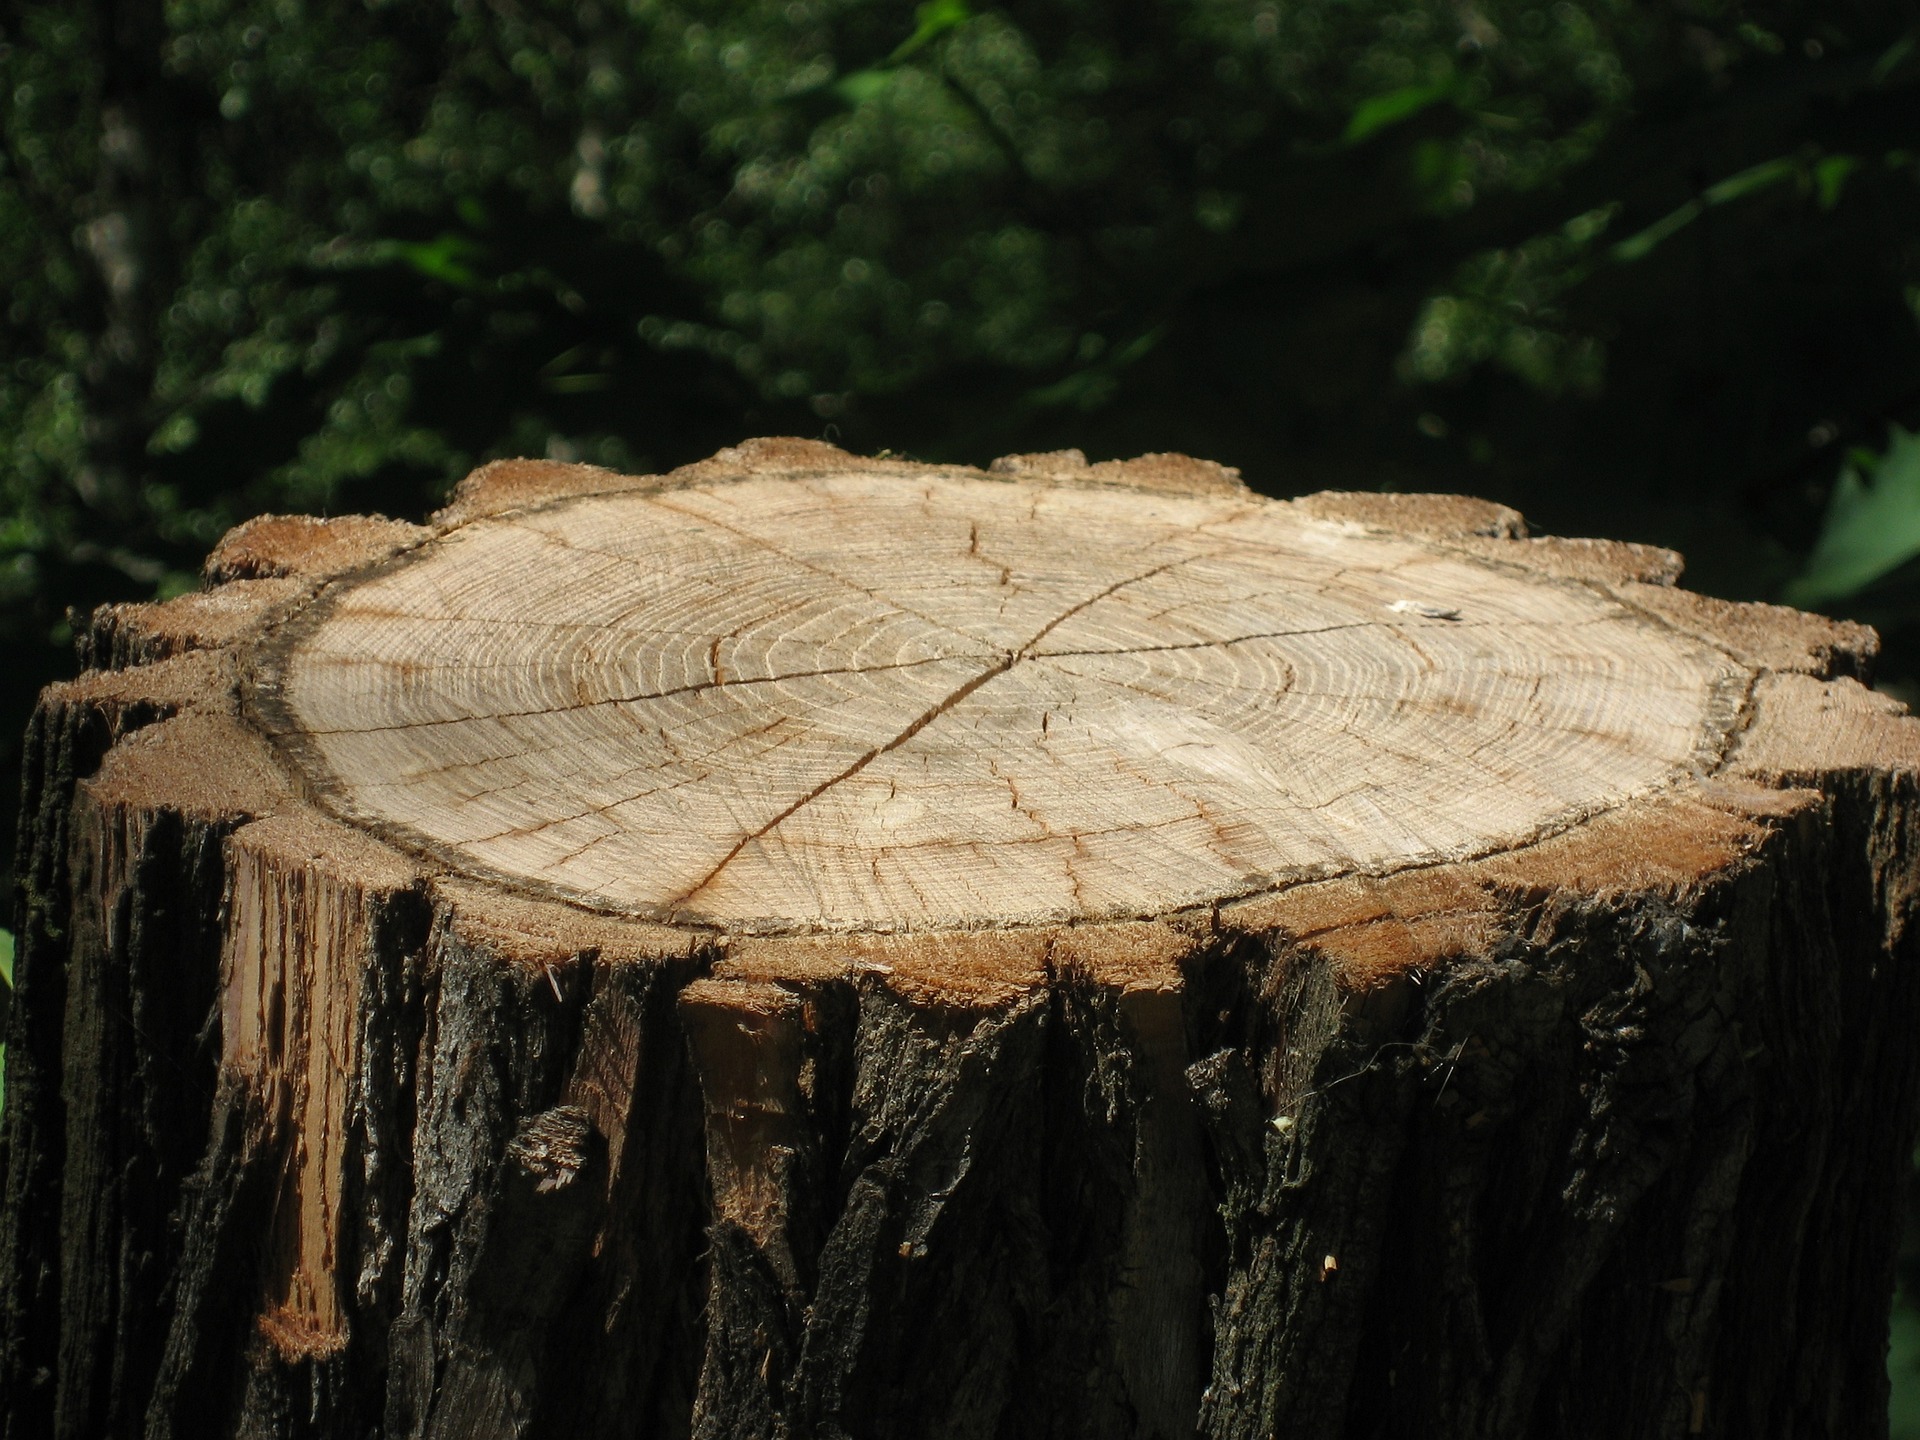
{"x": 308, "y": 1134}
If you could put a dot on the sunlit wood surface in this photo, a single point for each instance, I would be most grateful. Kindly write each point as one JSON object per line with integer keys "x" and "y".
{"x": 858, "y": 700}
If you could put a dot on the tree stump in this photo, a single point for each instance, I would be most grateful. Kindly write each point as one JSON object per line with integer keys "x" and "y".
{"x": 812, "y": 946}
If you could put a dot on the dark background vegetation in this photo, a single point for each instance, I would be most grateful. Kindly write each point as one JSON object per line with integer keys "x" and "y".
{"x": 1643, "y": 268}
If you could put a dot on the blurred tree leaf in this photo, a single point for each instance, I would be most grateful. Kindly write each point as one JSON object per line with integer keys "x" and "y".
{"x": 1872, "y": 524}
{"x": 1830, "y": 177}
{"x": 1375, "y": 115}
{"x": 1746, "y": 182}
{"x": 864, "y": 86}
{"x": 449, "y": 258}
{"x": 930, "y": 22}
{"x": 1897, "y": 54}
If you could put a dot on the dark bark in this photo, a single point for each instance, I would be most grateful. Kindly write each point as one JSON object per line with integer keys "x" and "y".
{"x": 138, "y": 1085}
{"x": 66, "y": 739}
{"x": 498, "y": 1041}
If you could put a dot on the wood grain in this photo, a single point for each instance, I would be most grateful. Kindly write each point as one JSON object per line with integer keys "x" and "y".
{"x": 872, "y": 700}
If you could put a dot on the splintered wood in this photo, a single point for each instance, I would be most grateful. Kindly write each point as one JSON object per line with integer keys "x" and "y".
{"x": 810, "y": 946}
{"x": 860, "y": 699}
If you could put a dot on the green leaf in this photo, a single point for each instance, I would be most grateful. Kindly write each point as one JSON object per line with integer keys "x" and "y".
{"x": 862, "y": 86}
{"x": 1746, "y": 182}
{"x": 1895, "y": 56}
{"x": 857, "y": 87}
{"x": 1093, "y": 386}
{"x": 1830, "y": 176}
{"x": 1638, "y": 246}
{"x": 449, "y": 259}
{"x": 576, "y": 384}
{"x": 1872, "y": 525}
{"x": 931, "y": 21}
{"x": 1375, "y": 115}
{"x": 1754, "y": 177}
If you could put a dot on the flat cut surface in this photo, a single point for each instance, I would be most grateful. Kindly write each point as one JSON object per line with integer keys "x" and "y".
{"x": 868, "y": 701}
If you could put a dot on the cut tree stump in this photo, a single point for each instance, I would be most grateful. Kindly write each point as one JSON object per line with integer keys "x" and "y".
{"x": 811, "y": 946}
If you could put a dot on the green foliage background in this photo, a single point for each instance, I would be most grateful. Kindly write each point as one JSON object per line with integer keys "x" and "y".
{"x": 1645, "y": 268}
